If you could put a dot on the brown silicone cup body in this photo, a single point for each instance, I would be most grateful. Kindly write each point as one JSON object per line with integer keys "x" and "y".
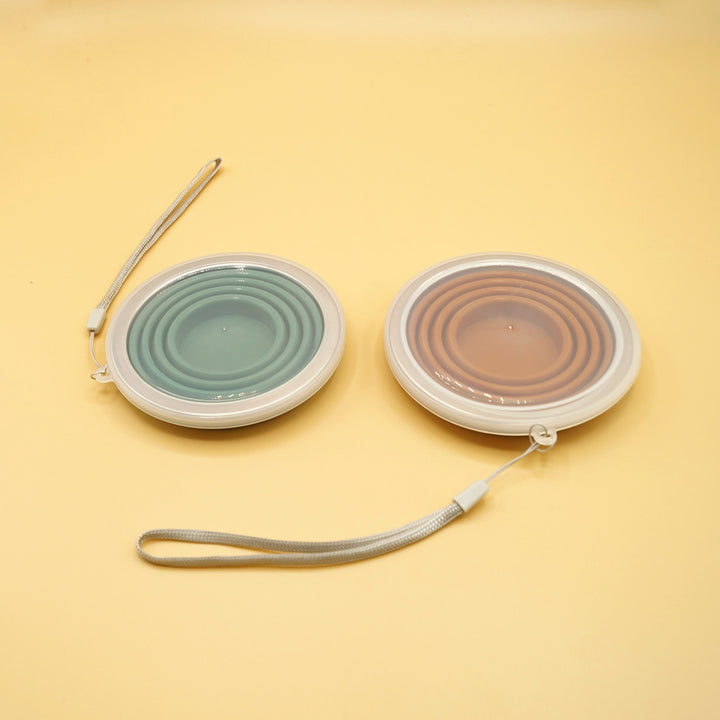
{"x": 510, "y": 336}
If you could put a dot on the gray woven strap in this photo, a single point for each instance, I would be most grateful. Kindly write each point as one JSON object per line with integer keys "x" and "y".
{"x": 290, "y": 553}
{"x": 176, "y": 209}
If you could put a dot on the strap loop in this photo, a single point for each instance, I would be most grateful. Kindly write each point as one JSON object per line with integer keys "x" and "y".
{"x": 176, "y": 209}
{"x": 289, "y": 553}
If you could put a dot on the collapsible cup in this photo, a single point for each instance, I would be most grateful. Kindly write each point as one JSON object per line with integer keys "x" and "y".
{"x": 500, "y": 342}
{"x": 225, "y": 341}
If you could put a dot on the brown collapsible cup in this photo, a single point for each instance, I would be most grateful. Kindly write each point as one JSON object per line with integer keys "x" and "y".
{"x": 510, "y": 336}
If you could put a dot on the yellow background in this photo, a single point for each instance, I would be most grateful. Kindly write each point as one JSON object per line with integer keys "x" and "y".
{"x": 365, "y": 140}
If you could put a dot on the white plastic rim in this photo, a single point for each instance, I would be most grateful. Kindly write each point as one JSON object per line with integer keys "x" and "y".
{"x": 515, "y": 418}
{"x": 243, "y": 411}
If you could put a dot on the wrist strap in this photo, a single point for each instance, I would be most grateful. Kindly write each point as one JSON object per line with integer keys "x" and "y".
{"x": 289, "y": 553}
{"x": 176, "y": 209}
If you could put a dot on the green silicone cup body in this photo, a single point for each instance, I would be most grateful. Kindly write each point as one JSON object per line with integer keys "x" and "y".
{"x": 225, "y": 333}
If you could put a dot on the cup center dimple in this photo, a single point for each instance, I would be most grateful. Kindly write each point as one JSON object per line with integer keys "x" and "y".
{"x": 508, "y": 339}
{"x": 226, "y": 335}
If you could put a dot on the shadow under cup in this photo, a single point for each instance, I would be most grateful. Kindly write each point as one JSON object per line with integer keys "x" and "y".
{"x": 509, "y": 336}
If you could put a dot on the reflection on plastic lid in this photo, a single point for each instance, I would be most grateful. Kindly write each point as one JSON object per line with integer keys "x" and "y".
{"x": 225, "y": 333}
{"x": 497, "y": 342}
{"x": 517, "y": 337}
{"x": 226, "y": 340}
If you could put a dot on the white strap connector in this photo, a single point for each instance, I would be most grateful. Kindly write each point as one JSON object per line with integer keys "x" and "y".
{"x": 96, "y": 320}
{"x": 544, "y": 437}
{"x": 471, "y": 495}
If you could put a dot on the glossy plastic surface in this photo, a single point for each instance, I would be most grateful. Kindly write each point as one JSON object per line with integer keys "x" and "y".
{"x": 225, "y": 333}
{"x": 225, "y": 341}
{"x": 498, "y": 342}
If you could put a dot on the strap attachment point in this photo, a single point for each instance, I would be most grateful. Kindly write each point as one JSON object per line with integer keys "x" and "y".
{"x": 544, "y": 437}
{"x": 102, "y": 374}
